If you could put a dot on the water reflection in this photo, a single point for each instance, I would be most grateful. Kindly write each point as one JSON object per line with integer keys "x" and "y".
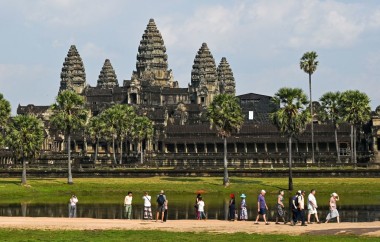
{"x": 219, "y": 210}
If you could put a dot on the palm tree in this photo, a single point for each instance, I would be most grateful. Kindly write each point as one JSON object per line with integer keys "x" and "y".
{"x": 330, "y": 111}
{"x": 291, "y": 117}
{"x": 356, "y": 111}
{"x": 5, "y": 113}
{"x": 25, "y": 136}
{"x": 309, "y": 65}
{"x": 225, "y": 114}
{"x": 142, "y": 129}
{"x": 96, "y": 128}
{"x": 69, "y": 116}
{"x": 119, "y": 120}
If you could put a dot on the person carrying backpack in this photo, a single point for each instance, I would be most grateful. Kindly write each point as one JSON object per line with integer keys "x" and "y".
{"x": 161, "y": 198}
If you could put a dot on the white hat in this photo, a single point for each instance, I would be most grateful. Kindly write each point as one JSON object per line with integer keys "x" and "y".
{"x": 263, "y": 191}
{"x": 334, "y": 194}
{"x": 299, "y": 191}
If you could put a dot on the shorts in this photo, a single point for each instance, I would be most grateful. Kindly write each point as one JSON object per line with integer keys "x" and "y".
{"x": 263, "y": 211}
{"x": 161, "y": 208}
{"x": 312, "y": 211}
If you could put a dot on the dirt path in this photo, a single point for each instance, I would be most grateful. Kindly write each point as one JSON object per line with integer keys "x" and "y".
{"x": 214, "y": 226}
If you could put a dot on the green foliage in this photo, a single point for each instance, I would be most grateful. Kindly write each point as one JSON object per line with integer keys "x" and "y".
{"x": 308, "y": 62}
{"x": 118, "y": 120}
{"x": 142, "y": 128}
{"x": 330, "y": 109}
{"x": 292, "y": 116}
{"x": 96, "y": 127}
{"x": 5, "y": 113}
{"x": 25, "y": 135}
{"x": 225, "y": 114}
{"x": 355, "y": 107}
{"x": 69, "y": 114}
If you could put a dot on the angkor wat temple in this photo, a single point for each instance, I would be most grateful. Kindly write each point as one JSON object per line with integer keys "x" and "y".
{"x": 182, "y": 134}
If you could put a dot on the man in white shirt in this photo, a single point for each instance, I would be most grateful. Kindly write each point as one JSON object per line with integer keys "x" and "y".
{"x": 128, "y": 205}
{"x": 147, "y": 206}
{"x": 312, "y": 207}
{"x": 73, "y": 206}
{"x": 201, "y": 208}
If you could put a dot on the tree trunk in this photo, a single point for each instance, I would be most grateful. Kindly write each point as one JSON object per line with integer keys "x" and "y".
{"x": 23, "y": 177}
{"x": 337, "y": 145}
{"x": 96, "y": 150}
{"x": 121, "y": 151}
{"x": 226, "y": 180}
{"x": 312, "y": 123}
{"x": 141, "y": 154}
{"x": 113, "y": 150}
{"x": 352, "y": 144}
{"x": 70, "y": 176}
{"x": 355, "y": 157}
{"x": 290, "y": 165}
{"x": 84, "y": 144}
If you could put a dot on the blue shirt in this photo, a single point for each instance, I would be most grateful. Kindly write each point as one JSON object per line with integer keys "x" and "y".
{"x": 261, "y": 200}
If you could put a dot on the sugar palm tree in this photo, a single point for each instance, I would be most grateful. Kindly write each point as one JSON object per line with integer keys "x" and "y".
{"x": 142, "y": 129}
{"x": 25, "y": 136}
{"x": 5, "y": 113}
{"x": 225, "y": 115}
{"x": 291, "y": 117}
{"x": 69, "y": 116}
{"x": 330, "y": 112}
{"x": 308, "y": 64}
{"x": 96, "y": 128}
{"x": 356, "y": 111}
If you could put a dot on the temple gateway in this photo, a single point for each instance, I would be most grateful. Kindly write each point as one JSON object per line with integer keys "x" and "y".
{"x": 183, "y": 137}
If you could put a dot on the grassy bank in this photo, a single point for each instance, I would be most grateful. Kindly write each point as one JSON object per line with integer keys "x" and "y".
{"x": 359, "y": 190}
{"x": 122, "y": 235}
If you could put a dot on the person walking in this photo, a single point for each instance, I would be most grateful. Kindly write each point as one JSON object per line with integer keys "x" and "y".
{"x": 280, "y": 207}
{"x": 166, "y": 210}
{"x": 262, "y": 207}
{"x": 147, "y": 206}
{"x": 201, "y": 209}
{"x": 161, "y": 198}
{"x": 231, "y": 214}
{"x": 243, "y": 208}
{"x": 333, "y": 210}
{"x": 301, "y": 208}
{"x": 312, "y": 207}
{"x": 294, "y": 206}
{"x": 73, "y": 206}
{"x": 196, "y": 206}
{"x": 128, "y": 205}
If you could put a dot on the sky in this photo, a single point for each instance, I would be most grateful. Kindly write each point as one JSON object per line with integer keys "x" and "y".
{"x": 263, "y": 42}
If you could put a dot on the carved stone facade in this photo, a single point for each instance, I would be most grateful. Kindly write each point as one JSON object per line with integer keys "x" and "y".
{"x": 73, "y": 75}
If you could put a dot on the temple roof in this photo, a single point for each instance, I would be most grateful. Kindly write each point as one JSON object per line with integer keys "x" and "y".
{"x": 225, "y": 77}
{"x": 204, "y": 68}
{"x": 107, "y": 77}
{"x": 171, "y": 91}
{"x": 73, "y": 72}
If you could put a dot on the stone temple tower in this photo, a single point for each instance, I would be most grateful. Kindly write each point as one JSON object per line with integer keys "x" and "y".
{"x": 73, "y": 75}
{"x": 204, "y": 79}
{"x": 107, "y": 77}
{"x": 226, "y": 78}
{"x": 152, "y": 60}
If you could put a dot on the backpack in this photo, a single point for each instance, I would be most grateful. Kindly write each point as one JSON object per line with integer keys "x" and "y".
{"x": 161, "y": 200}
{"x": 295, "y": 198}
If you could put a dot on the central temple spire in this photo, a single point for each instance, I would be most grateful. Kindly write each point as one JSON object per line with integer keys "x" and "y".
{"x": 73, "y": 76}
{"x": 152, "y": 60}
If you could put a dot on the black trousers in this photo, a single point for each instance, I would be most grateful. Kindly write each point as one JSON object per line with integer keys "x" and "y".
{"x": 301, "y": 216}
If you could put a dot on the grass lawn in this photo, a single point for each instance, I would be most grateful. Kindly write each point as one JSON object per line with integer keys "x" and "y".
{"x": 120, "y": 235}
{"x": 105, "y": 190}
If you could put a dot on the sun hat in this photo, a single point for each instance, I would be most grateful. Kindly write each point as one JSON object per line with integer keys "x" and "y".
{"x": 232, "y": 195}
{"x": 162, "y": 191}
{"x": 334, "y": 194}
{"x": 243, "y": 195}
{"x": 263, "y": 191}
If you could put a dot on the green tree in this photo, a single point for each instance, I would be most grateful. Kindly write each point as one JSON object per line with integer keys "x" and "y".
{"x": 119, "y": 120}
{"x": 96, "y": 129}
{"x": 69, "y": 116}
{"x": 25, "y": 136}
{"x": 308, "y": 64}
{"x": 5, "y": 113}
{"x": 291, "y": 117}
{"x": 225, "y": 114}
{"x": 142, "y": 129}
{"x": 356, "y": 111}
{"x": 330, "y": 112}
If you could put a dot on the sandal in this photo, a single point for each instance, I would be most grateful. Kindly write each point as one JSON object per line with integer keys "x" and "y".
{"x": 266, "y": 223}
{"x": 256, "y": 223}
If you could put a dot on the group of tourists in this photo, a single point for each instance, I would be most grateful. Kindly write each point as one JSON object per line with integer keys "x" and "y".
{"x": 297, "y": 206}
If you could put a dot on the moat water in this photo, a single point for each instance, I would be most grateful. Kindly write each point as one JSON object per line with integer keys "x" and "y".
{"x": 180, "y": 207}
